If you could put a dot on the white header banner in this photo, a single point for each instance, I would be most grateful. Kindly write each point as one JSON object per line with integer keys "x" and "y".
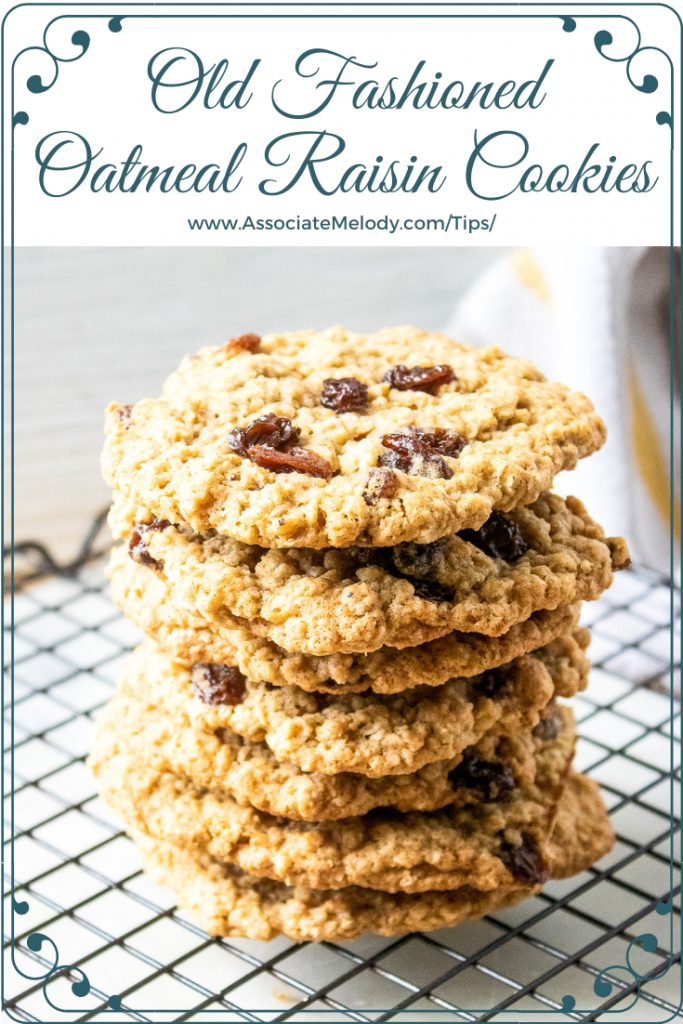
{"x": 335, "y": 124}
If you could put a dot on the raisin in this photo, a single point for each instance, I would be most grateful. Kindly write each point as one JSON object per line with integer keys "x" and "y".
{"x": 525, "y": 863}
{"x": 267, "y": 431}
{"x": 122, "y": 413}
{"x": 413, "y": 562}
{"x": 137, "y": 549}
{"x": 245, "y": 343}
{"x": 137, "y": 544}
{"x": 409, "y": 453}
{"x": 492, "y": 684}
{"x": 382, "y": 483}
{"x": 499, "y": 537}
{"x": 218, "y": 684}
{"x": 373, "y": 556}
{"x": 419, "y": 378}
{"x": 345, "y": 394}
{"x": 296, "y": 460}
{"x": 263, "y": 439}
{"x": 549, "y": 726}
{"x": 420, "y": 560}
{"x": 423, "y": 559}
{"x": 430, "y": 590}
{"x": 445, "y": 442}
{"x": 493, "y": 779}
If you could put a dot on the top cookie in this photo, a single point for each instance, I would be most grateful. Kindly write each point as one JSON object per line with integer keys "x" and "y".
{"x": 356, "y": 448}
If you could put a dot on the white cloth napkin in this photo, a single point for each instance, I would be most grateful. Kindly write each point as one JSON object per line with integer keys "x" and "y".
{"x": 596, "y": 319}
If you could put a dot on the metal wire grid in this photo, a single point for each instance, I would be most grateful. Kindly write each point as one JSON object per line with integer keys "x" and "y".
{"x": 80, "y": 878}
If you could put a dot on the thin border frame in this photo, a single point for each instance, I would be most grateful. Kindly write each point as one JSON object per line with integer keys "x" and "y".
{"x": 237, "y": 10}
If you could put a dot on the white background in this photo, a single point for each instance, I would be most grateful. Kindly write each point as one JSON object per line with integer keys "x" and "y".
{"x": 105, "y": 97}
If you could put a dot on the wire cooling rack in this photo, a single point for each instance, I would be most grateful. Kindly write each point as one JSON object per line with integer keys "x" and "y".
{"x": 567, "y": 954}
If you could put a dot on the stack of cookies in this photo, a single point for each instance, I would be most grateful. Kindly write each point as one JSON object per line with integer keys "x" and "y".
{"x": 362, "y": 602}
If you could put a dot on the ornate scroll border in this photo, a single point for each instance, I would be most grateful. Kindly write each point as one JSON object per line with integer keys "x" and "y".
{"x": 82, "y": 40}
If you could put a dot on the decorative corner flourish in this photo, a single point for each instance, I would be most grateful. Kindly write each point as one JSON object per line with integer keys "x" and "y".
{"x": 603, "y": 988}
{"x": 35, "y": 942}
{"x": 649, "y": 83}
{"x": 604, "y": 38}
{"x": 35, "y": 83}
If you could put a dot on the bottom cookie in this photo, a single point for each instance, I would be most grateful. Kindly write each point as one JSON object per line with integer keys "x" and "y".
{"x": 227, "y": 901}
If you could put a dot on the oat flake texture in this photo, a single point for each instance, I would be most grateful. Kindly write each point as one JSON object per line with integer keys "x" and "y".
{"x": 329, "y": 601}
{"x": 368, "y": 734}
{"x": 361, "y": 600}
{"x": 411, "y": 852}
{"x": 172, "y": 453}
{"x": 228, "y": 901}
{"x": 184, "y": 633}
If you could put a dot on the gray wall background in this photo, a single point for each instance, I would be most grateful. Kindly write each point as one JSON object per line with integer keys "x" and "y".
{"x": 101, "y": 324}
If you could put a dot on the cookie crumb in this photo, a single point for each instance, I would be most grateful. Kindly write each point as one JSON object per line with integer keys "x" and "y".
{"x": 122, "y": 413}
{"x": 619, "y": 553}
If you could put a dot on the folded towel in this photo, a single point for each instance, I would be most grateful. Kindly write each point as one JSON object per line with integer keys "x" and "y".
{"x": 598, "y": 320}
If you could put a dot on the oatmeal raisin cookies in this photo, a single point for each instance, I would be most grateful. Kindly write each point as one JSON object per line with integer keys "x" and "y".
{"x": 228, "y": 901}
{"x": 478, "y": 431}
{"x": 361, "y": 604}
